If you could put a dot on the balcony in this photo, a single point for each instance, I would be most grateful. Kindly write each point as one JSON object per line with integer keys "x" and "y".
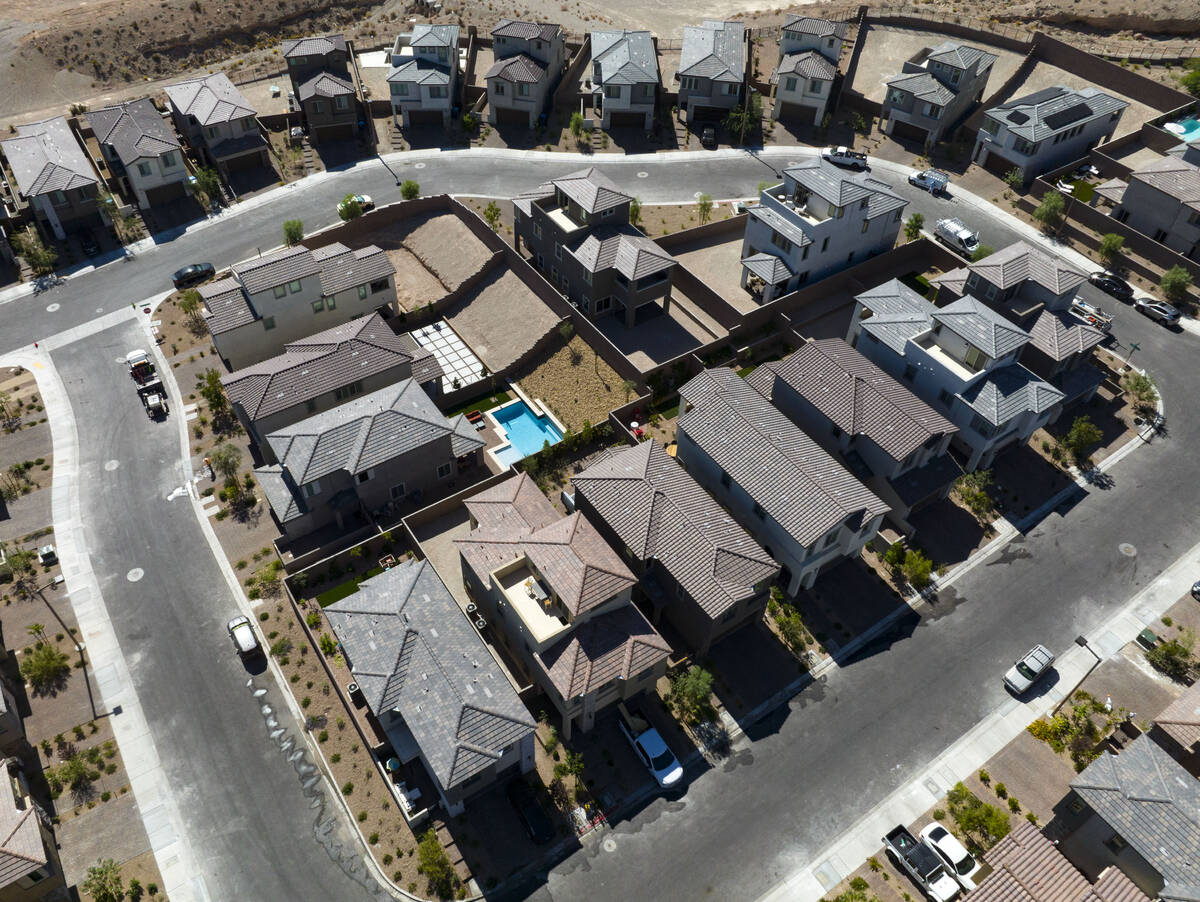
{"x": 563, "y": 222}
{"x": 785, "y": 203}
{"x": 952, "y": 364}
{"x": 527, "y": 596}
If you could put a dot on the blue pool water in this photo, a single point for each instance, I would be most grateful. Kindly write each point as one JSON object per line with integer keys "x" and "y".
{"x": 1188, "y": 129}
{"x": 526, "y": 432}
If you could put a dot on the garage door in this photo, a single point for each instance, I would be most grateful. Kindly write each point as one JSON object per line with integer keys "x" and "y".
{"x": 246, "y": 162}
{"x": 997, "y": 165}
{"x": 797, "y": 113}
{"x": 706, "y": 113}
{"x": 343, "y": 132}
{"x": 425, "y": 117}
{"x": 164, "y": 194}
{"x": 512, "y": 116}
{"x": 627, "y": 120}
{"x": 909, "y": 132}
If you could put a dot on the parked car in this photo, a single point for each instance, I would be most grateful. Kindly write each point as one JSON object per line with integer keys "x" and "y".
{"x": 932, "y": 180}
{"x": 245, "y": 640}
{"x": 922, "y": 864}
{"x": 364, "y": 202}
{"x": 650, "y": 747}
{"x": 1196, "y": 590}
{"x": 193, "y": 274}
{"x": 87, "y": 241}
{"x": 530, "y": 811}
{"x": 1029, "y": 669}
{"x": 1111, "y": 284}
{"x": 960, "y": 863}
{"x": 708, "y": 137}
{"x": 844, "y": 156}
{"x": 955, "y": 234}
{"x": 1160, "y": 311}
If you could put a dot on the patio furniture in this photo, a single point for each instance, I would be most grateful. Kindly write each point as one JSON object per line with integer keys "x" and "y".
{"x": 388, "y": 561}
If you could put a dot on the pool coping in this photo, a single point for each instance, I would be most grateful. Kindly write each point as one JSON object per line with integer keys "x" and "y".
{"x": 537, "y": 407}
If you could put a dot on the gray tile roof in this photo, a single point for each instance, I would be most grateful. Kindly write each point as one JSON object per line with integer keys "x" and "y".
{"x": 961, "y": 56}
{"x": 661, "y": 513}
{"x": 982, "y": 326}
{"x": 843, "y": 188}
{"x": 419, "y": 71}
{"x": 318, "y": 46}
{"x": 135, "y": 130}
{"x": 897, "y": 314}
{"x": 808, "y": 64}
{"x": 715, "y": 50}
{"x": 624, "y": 57}
{"x": 618, "y": 644}
{"x": 768, "y": 267}
{"x": 226, "y": 306}
{"x": 778, "y": 222}
{"x": 325, "y": 84}
{"x": 46, "y": 157}
{"x": 1113, "y": 189}
{"x": 366, "y": 432}
{"x": 622, "y": 248}
{"x": 282, "y": 496}
{"x": 1008, "y": 392}
{"x": 276, "y": 268}
{"x": 342, "y": 268}
{"x": 808, "y": 25}
{"x": 590, "y": 188}
{"x": 1014, "y": 264}
{"x": 922, "y": 85}
{"x": 529, "y": 31}
{"x": 518, "y": 69}
{"x": 855, "y": 395}
{"x": 211, "y": 99}
{"x": 518, "y": 498}
{"x": 1059, "y": 335}
{"x": 424, "y": 35}
{"x": 1154, "y": 805}
{"x": 313, "y": 366}
{"x": 21, "y": 848}
{"x": 797, "y": 482}
{"x": 1045, "y": 113}
{"x": 412, "y": 651}
{"x": 1174, "y": 177}
{"x": 1181, "y": 719}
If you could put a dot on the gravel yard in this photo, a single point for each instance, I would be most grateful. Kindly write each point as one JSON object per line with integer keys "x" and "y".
{"x": 502, "y": 320}
{"x": 576, "y": 384}
{"x": 447, "y": 248}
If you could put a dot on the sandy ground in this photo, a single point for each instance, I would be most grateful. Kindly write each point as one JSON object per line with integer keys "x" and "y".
{"x": 576, "y": 383}
{"x": 448, "y": 249}
{"x": 502, "y": 319}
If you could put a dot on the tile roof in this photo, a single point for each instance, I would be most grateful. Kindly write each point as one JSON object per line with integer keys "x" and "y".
{"x": 855, "y": 395}
{"x": 424, "y": 35}
{"x": 661, "y": 513}
{"x": 1017, "y": 262}
{"x": 412, "y": 650}
{"x": 622, "y": 248}
{"x": 796, "y": 481}
{"x": 514, "y": 28}
{"x": 954, "y": 279}
{"x": 518, "y": 69}
{"x": 618, "y": 644}
{"x": 922, "y": 85}
{"x": 843, "y": 188}
{"x": 1181, "y": 719}
{"x": 715, "y": 50}
{"x": 570, "y": 555}
{"x": 1059, "y": 335}
{"x": 135, "y": 130}
{"x": 276, "y": 268}
{"x": 982, "y": 326}
{"x": 366, "y": 432}
{"x": 211, "y": 99}
{"x": 1007, "y": 392}
{"x": 624, "y": 58}
{"x": 1174, "y": 177}
{"x": 778, "y": 222}
{"x": 419, "y": 71}
{"x": 45, "y": 157}
{"x": 589, "y": 188}
{"x": 518, "y": 497}
{"x": 807, "y": 25}
{"x": 1154, "y": 805}
{"x": 317, "y": 46}
{"x": 1113, "y": 189}
{"x": 325, "y": 84}
{"x": 226, "y": 306}
{"x": 21, "y": 848}
{"x": 1028, "y": 867}
{"x": 768, "y": 267}
{"x": 961, "y": 56}
{"x": 897, "y": 314}
{"x": 342, "y": 268}
{"x": 313, "y": 366}
{"x": 807, "y": 64}
{"x": 1049, "y": 111}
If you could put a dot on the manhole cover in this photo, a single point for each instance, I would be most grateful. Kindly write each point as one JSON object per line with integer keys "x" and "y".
{"x": 643, "y": 175}
{"x": 418, "y": 165}
{"x": 51, "y": 308}
{"x": 135, "y": 574}
{"x": 1126, "y": 549}
{"x": 112, "y": 465}
{"x": 793, "y": 163}
{"x": 698, "y": 195}
{"x": 610, "y": 844}
{"x": 99, "y": 309}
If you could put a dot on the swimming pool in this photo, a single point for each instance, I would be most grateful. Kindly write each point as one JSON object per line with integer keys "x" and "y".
{"x": 526, "y": 433}
{"x": 1187, "y": 129}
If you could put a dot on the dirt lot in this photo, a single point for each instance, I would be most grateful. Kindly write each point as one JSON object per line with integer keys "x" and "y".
{"x": 501, "y": 319}
{"x": 576, "y": 384}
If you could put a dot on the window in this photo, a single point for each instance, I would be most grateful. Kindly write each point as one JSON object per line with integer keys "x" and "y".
{"x": 144, "y": 169}
{"x": 1160, "y": 235}
{"x": 910, "y": 373}
{"x": 537, "y": 229}
{"x": 804, "y": 253}
{"x": 362, "y": 292}
{"x": 297, "y": 61}
{"x": 814, "y": 86}
{"x": 312, "y": 489}
{"x": 249, "y": 124}
{"x": 280, "y": 291}
{"x": 896, "y": 218}
{"x": 445, "y": 470}
{"x": 212, "y": 131}
{"x": 401, "y": 90}
{"x": 825, "y": 244}
{"x": 587, "y": 277}
{"x": 364, "y": 476}
{"x": 954, "y": 77}
{"x": 866, "y": 225}
{"x": 802, "y": 278}
{"x": 439, "y": 91}
{"x": 780, "y": 242}
{"x": 522, "y": 90}
{"x": 318, "y": 305}
{"x": 557, "y": 251}
{"x": 397, "y": 491}
{"x": 731, "y": 88}
{"x": 759, "y": 512}
{"x": 648, "y": 90}
{"x": 294, "y": 286}
{"x": 864, "y": 203}
{"x": 982, "y": 426}
{"x": 1115, "y": 844}
{"x": 498, "y": 88}
{"x": 602, "y": 305}
{"x": 974, "y": 358}
{"x": 829, "y": 42}
{"x": 318, "y": 107}
{"x": 310, "y": 406}
{"x": 341, "y": 102}
{"x": 379, "y": 285}
{"x": 944, "y": 397}
{"x": 58, "y": 198}
{"x": 330, "y": 303}
{"x": 932, "y": 111}
{"x": 849, "y": 258}
{"x": 612, "y": 91}
{"x": 725, "y": 479}
{"x": 789, "y": 84}
{"x": 268, "y": 323}
{"x": 348, "y": 391}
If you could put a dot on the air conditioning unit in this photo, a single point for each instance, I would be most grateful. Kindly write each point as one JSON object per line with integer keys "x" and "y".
{"x": 356, "y": 696}
{"x": 472, "y": 607}
{"x": 481, "y": 624}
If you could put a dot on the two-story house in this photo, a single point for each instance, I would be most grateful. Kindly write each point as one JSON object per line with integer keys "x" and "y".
{"x": 802, "y": 506}
{"x": 559, "y": 598}
{"x": 624, "y": 79}
{"x": 390, "y": 447}
{"x": 529, "y": 61}
{"x": 802, "y": 83}
{"x": 695, "y": 564}
{"x": 423, "y": 81}
{"x": 962, "y": 359}
{"x": 431, "y": 683}
{"x": 1044, "y": 130}
{"x": 30, "y": 868}
{"x": 317, "y": 373}
{"x": 934, "y": 92}
{"x": 1035, "y": 290}
{"x": 323, "y": 88}
{"x": 141, "y": 152}
{"x": 712, "y": 69}
{"x": 291, "y": 293}
{"x": 53, "y": 175}
{"x": 1161, "y": 200}
{"x": 819, "y": 220}
{"x": 576, "y": 230}
{"x": 892, "y": 440}
{"x": 219, "y": 123}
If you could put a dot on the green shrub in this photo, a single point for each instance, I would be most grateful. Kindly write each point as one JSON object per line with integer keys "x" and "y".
{"x": 410, "y": 190}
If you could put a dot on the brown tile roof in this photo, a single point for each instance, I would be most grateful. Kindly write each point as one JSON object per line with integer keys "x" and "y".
{"x": 276, "y": 268}
{"x": 1181, "y": 719}
{"x": 519, "y": 69}
{"x": 618, "y": 644}
{"x": 325, "y": 84}
{"x": 211, "y": 99}
{"x": 226, "y": 306}
{"x": 518, "y": 496}
{"x": 21, "y": 848}
{"x": 1059, "y": 335}
{"x": 515, "y": 28}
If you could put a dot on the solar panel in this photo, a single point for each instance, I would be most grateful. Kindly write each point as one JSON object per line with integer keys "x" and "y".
{"x": 1016, "y": 117}
{"x": 1070, "y": 114}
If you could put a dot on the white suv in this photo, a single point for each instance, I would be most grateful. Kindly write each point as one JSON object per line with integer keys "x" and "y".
{"x": 1031, "y": 668}
{"x": 959, "y": 862}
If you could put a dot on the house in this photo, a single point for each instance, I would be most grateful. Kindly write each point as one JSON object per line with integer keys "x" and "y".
{"x": 317, "y": 373}
{"x": 423, "y": 80}
{"x": 892, "y": 440}
{"x": 935, "y": 91}
{"x": 1179, "y": 722}
{"x": 802, "y": 83}
{"x": 292, "y": 293}
{"x": 364, "y": 456}
{"x": 12, "y": 728}
{"x": 1162, "y": 200}
{"x": 819, "y": 220}
{"x": 29, "y": 866}
{"x": 431, "y": 683}
{"x": 576, "y": 229}
{"x": 1035, "y": 290}
{"x": 141, "y": 152}
{"x": 219, "y": 123}
{"x": 1138, "y": 810}
{"x": 529, "y": 61}
{"x": 1027, "y": 866}
{"x": 1044, "y": 130}
{"x": 54, "y": 176}
{"x": 624, "y": 79}
{"x": 712, "y": 70}
{"x": 962, "y": 359}
{"x": 695, "y": 564}
{"x": 322, "y": 87}
{"x": 802, "y": 506}
{"x": 559, "y": 599}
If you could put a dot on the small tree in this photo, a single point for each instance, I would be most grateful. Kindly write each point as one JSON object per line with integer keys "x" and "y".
{"x": 1013, "y": 178}
{"x": 894, "y": 558}
{"x": 1082, "y": 437}
{"x": 1112, "y": 246}
{"x": 433, "y": 862}
{"x": 1050, "y": 211}
{"x": 691, "y": 692}
{"x": 912, "y": 228}
{"x": 629, "y": 387}
{"x": 491, "y": 215}
{"x": 208, "y": 184}
{"x": 980, "y": 252}
{"x": 349, "y": 208}
{"x": 225, "y": 460}
{"x": 189, "y": 306}
{"x": 704, "y": 205}
{"x": 1191, "y": 82}
{"x": 45, "y": 667}
{"x": 744, "y": 118}
{"x": 577, "y": 124}
{"x": 410, "y": 190}
{"x": 1141, "y": 389}
{"x": 293, "y": 232}
{"x": 635, "y": 212}
{"x": 103, "y": 882}
{"x": 973, "y": 489}
{"x": 41, "y": 259}
{"x": 917, "y": 568}
{"x": 1175, "y": 283}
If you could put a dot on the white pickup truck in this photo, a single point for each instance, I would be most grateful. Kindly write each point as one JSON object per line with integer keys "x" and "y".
{"x": 932, "y": 180}
{"x": 954, "y": 233}
{"x": 844, "y": 156}
{"x": 921, "y": 862}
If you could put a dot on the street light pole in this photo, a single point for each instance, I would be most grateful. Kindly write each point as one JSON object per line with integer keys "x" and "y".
{"x": 746, "y": 113}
